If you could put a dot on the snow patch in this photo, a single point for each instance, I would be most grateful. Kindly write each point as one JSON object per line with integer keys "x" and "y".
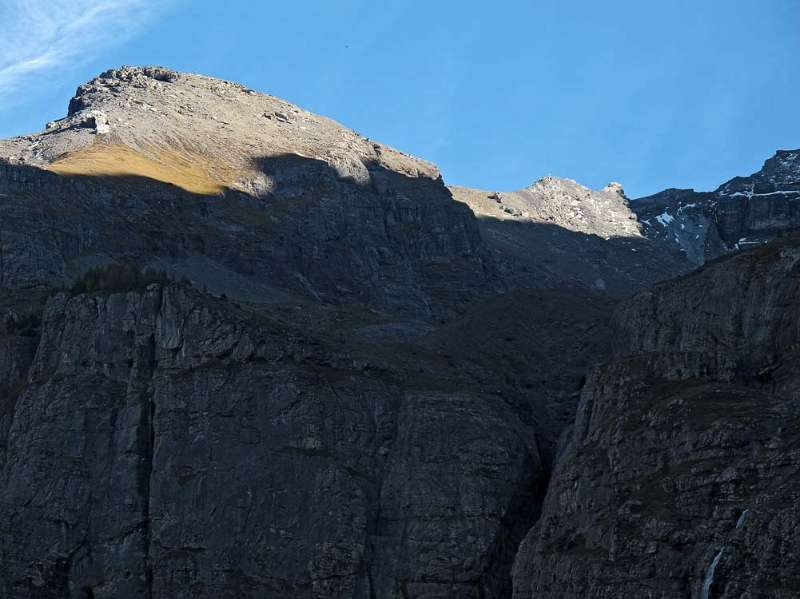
{"x": 775, "y": 193}
{"x": 743, "y": 241}
{"x": 665, "y": 218}
{"x": 750, "y": 194}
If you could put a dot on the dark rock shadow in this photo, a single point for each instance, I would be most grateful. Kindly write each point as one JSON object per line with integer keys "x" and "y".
{"x": 546, "y": 256}
{"x": 397, "y": 243}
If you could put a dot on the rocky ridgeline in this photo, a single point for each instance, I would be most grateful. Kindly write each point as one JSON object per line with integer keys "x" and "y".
{"x": 561, "y": 202}
{"x": 282, "y": 199}
{"x": 152, "y": 110}
{"x": 742, "y": 213}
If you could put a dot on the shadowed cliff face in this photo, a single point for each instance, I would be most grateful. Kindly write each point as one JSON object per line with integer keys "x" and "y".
{"x": 559, "y": 234}
{"x": 392, "y": 242}
{"x": 684, "y": 452}
{"x": 303, "y": 444}
{"x": 548, "y": 256}
{"x": 169, "y": 444}
{"x": 249, "y": 195}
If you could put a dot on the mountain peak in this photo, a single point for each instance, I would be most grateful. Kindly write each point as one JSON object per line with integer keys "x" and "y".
{"x": 153, "y": 121}
{"x": 118, "y": 79}
{"x": 741, "y": 213}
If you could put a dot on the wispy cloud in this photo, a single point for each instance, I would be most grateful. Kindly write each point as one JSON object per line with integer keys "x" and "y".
{"x": 38, "y": 37}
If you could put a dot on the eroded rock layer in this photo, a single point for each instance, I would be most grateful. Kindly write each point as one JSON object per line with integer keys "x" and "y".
{"x": 559, "y": 234}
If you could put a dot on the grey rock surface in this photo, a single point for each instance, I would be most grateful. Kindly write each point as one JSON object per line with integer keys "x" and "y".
{"x": 682, "y": 470}
{"x": 398, "y": 243}
{"x": 197, "y": 178}
{"x": 562, "y": 202}
{"x": 168, "y": 444}
{"x": 333, "y": 401}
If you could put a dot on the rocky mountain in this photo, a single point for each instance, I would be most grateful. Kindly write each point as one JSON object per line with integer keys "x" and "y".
{"x": 270, "y": 202}
{"x": 247, "y": 352}
{"x": 744, "y": 212}
{"x": 560, "y": 234}
{"x": 169, "y": 444}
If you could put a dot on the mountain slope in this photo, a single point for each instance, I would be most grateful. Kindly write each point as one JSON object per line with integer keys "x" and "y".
{"x": 220, "y": 128}
{"x": 741, "y": 213}
{"x": 247, "y": 352}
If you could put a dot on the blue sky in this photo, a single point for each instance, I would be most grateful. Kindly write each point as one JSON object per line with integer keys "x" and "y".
{"x": 652, "y": 94}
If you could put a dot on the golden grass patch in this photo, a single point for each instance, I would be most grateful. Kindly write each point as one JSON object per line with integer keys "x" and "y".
{"x": 190, "y": 171}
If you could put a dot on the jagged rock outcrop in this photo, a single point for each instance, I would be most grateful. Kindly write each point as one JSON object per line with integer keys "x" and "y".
{"x": 744, "y": 212}
{"x": 557, "y": 233}
{"x": 681, "y": 474}
{"x": 562, "y": 202}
